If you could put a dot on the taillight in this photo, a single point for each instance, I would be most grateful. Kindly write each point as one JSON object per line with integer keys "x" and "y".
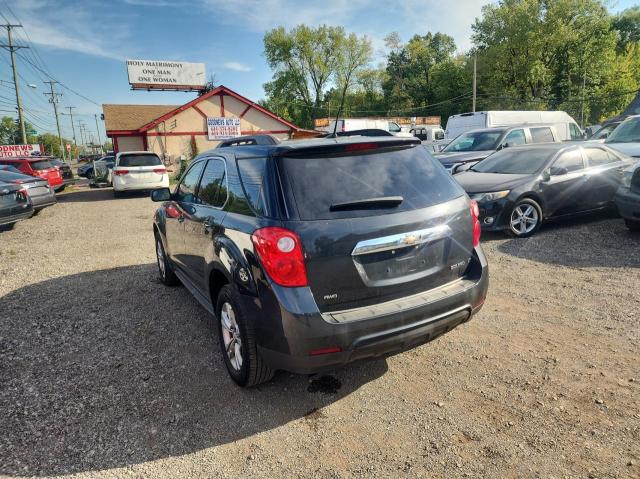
{"x": 280, "y": 252}
{"x": 160, "y": 171}
{"x": 22, "y": 194}
{"x": 361, "y": 146}
{"x": 475, "y": 217}
{"x": 120, "y": 172}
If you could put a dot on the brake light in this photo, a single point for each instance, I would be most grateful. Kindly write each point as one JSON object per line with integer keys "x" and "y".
{"x": 120, "y": 172}
{"x": 361, "y": 146}
{"x": 22, "y": 194}
{"x": 321, "y": 351}
{"x": 280, "y": 252}
{"x": 160, "y": 171}
{"x": 475, "y": 218}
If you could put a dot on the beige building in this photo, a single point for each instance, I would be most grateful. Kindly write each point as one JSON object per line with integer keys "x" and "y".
{"x": 171, "y": 130}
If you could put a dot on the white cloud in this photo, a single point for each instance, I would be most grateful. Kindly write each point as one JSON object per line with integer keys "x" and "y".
{"x": 237, "y": 66}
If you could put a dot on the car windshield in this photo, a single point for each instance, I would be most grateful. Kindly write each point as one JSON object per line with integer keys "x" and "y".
{"x": 627, "y": 132}
{"x": 604, "y": 132}
{"x": 139, "y": 160}
{"x": 41, "y": 165}
{"x": 475, "y": 141}
{"x": 515, "y": 161}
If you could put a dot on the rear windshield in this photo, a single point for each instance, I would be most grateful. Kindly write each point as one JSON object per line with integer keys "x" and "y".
{"x": 139, "y": 160}
{"x": 413, "y": 174}
{"x": 41, "y": 165}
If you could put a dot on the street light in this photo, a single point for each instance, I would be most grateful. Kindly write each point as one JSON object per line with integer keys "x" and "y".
{"x": 31, "y": 85}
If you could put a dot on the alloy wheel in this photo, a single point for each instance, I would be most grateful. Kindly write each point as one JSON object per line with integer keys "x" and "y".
{"x": 161, "y": 261}
{"x": 524, "y": 219}
{"x": 231, "y": 336}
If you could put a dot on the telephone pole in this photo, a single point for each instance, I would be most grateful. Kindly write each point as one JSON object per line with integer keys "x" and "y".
{"x": 80, "y": 129}
{"x": 73, "y": 128}
{"x": 54, "y": 101}
{"x": 12, "y": 48}
{"x": 474, "y": 84}
{"x": 95, "y": 115}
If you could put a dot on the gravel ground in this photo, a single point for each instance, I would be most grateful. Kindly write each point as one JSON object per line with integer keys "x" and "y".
{"x": 104, "y": 372}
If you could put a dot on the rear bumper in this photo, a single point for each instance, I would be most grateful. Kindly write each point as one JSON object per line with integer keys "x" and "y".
{"x": 628, "y": 203}
{"x": 118, "y": 185}
{"x": 44, "y": 200}
{"x": 287, "y": 336}
{"x": 5, "y": 220}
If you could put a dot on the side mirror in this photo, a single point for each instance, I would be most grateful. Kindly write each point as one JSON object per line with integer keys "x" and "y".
{"x": 546, "y": 175}
{"x": 161, "y": 194}
{"x": 558, "y": 171}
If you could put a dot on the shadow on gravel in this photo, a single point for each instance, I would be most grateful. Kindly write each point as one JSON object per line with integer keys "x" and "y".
{"x": 109, "y": 368}
{"x": 97, "y": 194}
{"x": 579, "y": 243}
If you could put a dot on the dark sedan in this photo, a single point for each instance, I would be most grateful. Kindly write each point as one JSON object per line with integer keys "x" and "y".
{"x": 628, "y": 198}
{"x": 39, "y": 191}
{"x": 65, "y": 169}
{"x": 517, "y": 188}
{"x": 15, "y": 204}
{"x": 87, "y": 170}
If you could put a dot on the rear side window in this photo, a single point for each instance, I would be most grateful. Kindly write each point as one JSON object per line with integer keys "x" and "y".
{"x": 213, "y": 188}
{"x": 317, "y": 183}
{"x": 139, "y": 160}
{"x": 40, "y": 165}
{"x": 598, "y": 157}
{"x": 253, "y": 174}
{"x": 541, "y": 135}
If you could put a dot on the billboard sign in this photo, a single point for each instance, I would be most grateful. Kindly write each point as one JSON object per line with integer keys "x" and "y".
{"x": 165, "y": 75}
{"x": 13, "y": 151}
{"x": 221, "y": 128}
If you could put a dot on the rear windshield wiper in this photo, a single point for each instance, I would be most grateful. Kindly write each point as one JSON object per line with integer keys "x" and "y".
{"x": 368, "y": 203}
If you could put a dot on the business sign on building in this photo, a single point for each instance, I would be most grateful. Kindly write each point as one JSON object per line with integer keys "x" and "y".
{"x": 165, "y": 75}
{"x": 13, "y": 151}
{"x": 221, "y": 128}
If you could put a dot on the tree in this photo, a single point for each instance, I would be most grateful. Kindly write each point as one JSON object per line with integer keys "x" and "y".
{"x": 627, "y": 24}
{"x": 51, "y": 144}
{"x": 10, "y": 131}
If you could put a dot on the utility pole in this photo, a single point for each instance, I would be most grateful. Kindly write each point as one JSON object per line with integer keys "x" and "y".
{"x": 73, "y": 128}
{"x": 95, "y": 115}
{"x": 474, "y": 83}
{"x": 12, "y": 48}
{"x": 584, "y": 86}
{"x": 54, "y": 101}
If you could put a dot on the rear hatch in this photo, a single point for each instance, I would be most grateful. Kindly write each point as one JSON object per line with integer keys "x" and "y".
{"x": 45, "y": 169}
{"x": 413, "y": 234}
{"x": 140, "y": 168}
{"x": 13, "y": 200}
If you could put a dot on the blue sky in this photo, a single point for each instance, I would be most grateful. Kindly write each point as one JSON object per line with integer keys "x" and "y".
{"x": 84, "y": 43}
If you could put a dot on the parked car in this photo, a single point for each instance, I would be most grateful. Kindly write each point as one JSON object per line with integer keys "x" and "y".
{"x": 603, "y": 133}
{"x": 86, "y": 170}
{"x": 628, "y": 197}
{"x": 518, "y": 188}
{"x": 138, "y": 170}
{"x": 15, "y": 204}
{"x": 65, "y": 170}
{"x": 350, "y": 124}
{"x": 566, "y": 127}
{"x": 37, "y": 166}
{"x": 316, "y": 253}
{"x": 626, "y": 137}
{"x": 38, "y": 189}
{"x": 475, "y": 145}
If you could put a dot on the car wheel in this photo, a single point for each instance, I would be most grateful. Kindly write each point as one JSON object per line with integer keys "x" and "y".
{"x": 167, "y": 275}
{"x": 237, "y": 341}
{"x": 633, "y": 225}
{"x": 89, "y": 175}
{"x": 525, "y": 218}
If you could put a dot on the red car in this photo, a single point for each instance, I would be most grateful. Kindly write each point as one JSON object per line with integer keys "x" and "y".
{"x": 36, "y": 166}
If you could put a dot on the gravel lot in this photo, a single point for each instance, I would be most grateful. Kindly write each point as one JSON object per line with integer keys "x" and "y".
{"x": 104, "y": 372}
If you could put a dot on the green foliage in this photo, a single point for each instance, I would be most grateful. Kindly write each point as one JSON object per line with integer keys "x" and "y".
{"x": 10, "y": 132}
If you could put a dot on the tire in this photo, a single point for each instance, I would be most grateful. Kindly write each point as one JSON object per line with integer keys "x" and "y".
{"x": 529, "y": 214}
{"x": 89, "y": 175}
{"x": 234, "y": 326}
{"x": 165, "y": 269}
{"x": 117, "y": 194}
{"x": 634, "y": 226}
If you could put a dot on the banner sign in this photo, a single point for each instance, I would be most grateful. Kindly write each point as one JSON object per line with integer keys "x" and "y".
{"x": 221, "y": 128}
{"x": 400, "y": 120}
{"x": 166, "y": 75}
{"x": 12, "y": 151}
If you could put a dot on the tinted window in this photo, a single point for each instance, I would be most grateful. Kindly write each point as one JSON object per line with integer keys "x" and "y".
{"x": 393, "y": 127}
{"x": 541, "y": 135}
{"x": 523, "y": 161}
{"x": 439, "y": 135}
{"x": 254, "y": 177}
{"x": 186, "y": 190}
{"x": 571, "y": 161}
{"x": 475, "y": 141}
{"x": 574, "y": 132}
{"x": 516, "y": 137}
{"x": 319, "y": 182}
{"x": 598, "y": 157}
{"x": 628, "y": 131}
{"x": 139, "y": 160}
{"x": 213, "y": 189}
{"x": 604, "y": 132}
{"x": 41, "y": 165}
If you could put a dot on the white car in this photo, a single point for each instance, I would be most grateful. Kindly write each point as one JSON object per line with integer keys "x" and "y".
{"x": 138, "y": 170}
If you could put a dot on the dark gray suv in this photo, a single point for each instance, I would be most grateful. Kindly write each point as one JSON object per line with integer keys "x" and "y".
{"x": 312, "y": 254}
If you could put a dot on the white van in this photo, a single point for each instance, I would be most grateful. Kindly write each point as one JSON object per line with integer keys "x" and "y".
{"x": 351, "y": 124}
{"x": 566, "y": 126}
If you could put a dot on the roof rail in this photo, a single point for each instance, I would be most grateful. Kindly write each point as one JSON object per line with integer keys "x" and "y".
{"x": 363, "y": 132}
{"x": 249, "y": 140}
